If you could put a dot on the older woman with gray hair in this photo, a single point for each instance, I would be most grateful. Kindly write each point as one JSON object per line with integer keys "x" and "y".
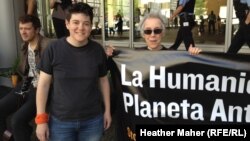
{"x": 152, "y": 29}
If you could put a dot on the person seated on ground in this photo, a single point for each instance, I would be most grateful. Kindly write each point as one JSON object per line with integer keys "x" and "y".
{"x": 21, "y": 101}
{"x": 153, "y": 30}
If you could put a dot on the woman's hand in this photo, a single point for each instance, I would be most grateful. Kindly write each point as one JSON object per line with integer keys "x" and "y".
{"x": 109, "y": 50}
{"x": 42, "y": 132}
{"x": 194, "y": 50}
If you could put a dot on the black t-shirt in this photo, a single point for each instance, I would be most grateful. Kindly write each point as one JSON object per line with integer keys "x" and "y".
{"x": 75, "y": 72}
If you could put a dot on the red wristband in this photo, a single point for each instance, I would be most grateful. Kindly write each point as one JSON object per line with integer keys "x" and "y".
{"x": 42, "y": 118}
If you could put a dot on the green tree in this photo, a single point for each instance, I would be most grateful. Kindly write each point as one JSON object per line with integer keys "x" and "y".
{"x": 200, "y": 7}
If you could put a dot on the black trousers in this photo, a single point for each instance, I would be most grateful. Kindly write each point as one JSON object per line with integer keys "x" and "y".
{"x": 60, "y": 28}
{"x": 184, "y": 33}
{"x": 241, "y": 37}
{"x": 23, "y": 110}
{"x": 211, "y": 26}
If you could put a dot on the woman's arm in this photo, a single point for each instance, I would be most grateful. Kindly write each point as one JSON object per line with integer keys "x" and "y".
{"x": 31, "y": 4}
{"x": 43, "y": 87}
{"x": 105, "y": 89}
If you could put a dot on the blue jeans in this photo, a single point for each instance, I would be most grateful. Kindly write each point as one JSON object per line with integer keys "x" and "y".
{"x": 77, "y": 130}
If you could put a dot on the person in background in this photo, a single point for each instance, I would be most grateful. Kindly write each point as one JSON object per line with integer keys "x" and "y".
{"x": 242, "y": 36}
{"x": 219, "y": 24}
{"x": 30, "y": 7}
{"x": 80, "y": 98}
{"x": 211, "y": 22}
{"x": 20, "y": 102}
{"x": 119, "y": 25}
{"x": 153, "y": 30}
{"x": 185, "y": 11}
{"x": 60, "y": 8}
{"x": 202, "y": 25}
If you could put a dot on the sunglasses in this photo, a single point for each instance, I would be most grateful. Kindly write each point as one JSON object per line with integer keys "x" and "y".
{"x": 149, "y": 31}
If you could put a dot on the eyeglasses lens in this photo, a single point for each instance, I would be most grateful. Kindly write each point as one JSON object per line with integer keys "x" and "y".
{"x": 149, "y": 31}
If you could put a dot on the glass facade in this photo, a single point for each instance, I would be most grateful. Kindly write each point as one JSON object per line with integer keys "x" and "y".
{"x": 116, "y": 19}
{"x": 116, "y": 22}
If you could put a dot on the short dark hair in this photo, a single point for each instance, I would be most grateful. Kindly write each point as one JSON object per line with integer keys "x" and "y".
{"x": 80, "y": 7}
{"x": 31, "y": 19}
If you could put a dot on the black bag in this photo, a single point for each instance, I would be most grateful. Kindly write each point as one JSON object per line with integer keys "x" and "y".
{"x": 7, "y": 136}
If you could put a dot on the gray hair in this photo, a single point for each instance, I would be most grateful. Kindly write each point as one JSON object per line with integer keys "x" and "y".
{"x": 153, "y": 14}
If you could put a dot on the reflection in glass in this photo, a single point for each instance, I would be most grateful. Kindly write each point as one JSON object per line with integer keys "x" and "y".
{"x": 48, "y": 29}
{"x": 116, "y": 19}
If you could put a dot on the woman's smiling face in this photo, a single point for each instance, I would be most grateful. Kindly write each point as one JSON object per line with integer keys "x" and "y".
{"x": 79, "y": 27}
